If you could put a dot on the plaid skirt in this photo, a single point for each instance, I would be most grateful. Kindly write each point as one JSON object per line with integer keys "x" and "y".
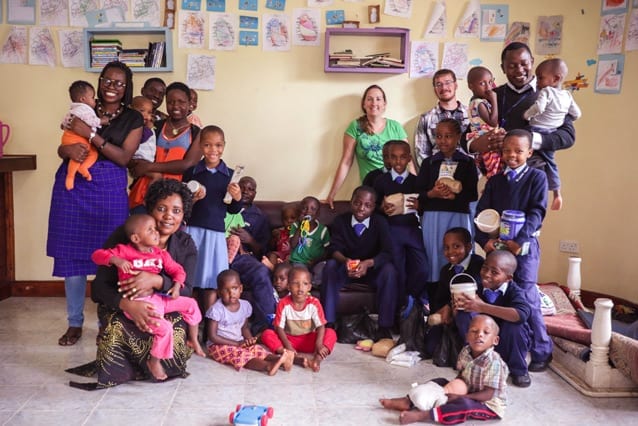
{"x": 236, "y": 356}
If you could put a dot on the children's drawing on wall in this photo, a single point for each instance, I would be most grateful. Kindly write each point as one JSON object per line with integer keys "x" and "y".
{"x": 609, "y": 73}
{"x": 307, "y": 27}
{"x": 400, "y": 8}
{"x": 631, "y": 42}
{"x": 194, "y": 5}
{"x": 191, "y": 29}
{"x": 21, "y": 12}
{"x": 122, "y": 4}
{"x": 610, "y": 34}
{"x": 215, "y": 5}
{"x": 54, "y": 13}
{"x": 71, "y": 48}
{"x": 104, "y": 17}
{"x": 549, "y": 35}
{"x": 319, "y": 3}
{"x": 468, "y": 26}
{"x": 455, "y": 58}
{"x": 614, "y": 6}
{"x": 276, "y": 4}
{"x": 249, "y": 38}
{"x": 78, "y": 9}
{"x": 437, "y": 24}
{"x": 335, "y": 17}
{"x": 14, "y": 48}
{"x": 494, "y": 18}
{"x": 275, "y": 32}
{"x": 222, "y": 31}
{"x": 424, "y": 58}
{"x": 251, "y": 22}
{"x": 41, "y": 47}
{"x": 200, "y": 72}
{"x": 146, "y": 11}
{"x": 519, "y": 31}
{"x": 247, "y": 5}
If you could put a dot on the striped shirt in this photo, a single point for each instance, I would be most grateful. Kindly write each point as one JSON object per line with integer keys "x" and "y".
{"x": 486, "y": 370}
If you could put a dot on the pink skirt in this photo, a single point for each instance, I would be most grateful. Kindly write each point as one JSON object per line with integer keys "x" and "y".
{"x": 236, "y": 356}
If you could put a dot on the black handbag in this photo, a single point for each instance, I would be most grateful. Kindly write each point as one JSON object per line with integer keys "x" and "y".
{"x": 412, "y": 330}
{"x": 446, "y": 352}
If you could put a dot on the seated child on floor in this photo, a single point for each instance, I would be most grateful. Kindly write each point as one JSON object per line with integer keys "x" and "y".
{"x": 142, "y": 254}
{"x": 308, "y": 237}
{"x": 478, "y": 392}
{"x": 280, "y": 280}
{"x": 280, "y": 240}
{"x": 300, "y": 325}
{"x": 229, "y": 337}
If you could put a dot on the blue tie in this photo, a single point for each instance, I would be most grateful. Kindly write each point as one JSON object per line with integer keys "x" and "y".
{"x": 511, "y": 175}
{"x": 398, "y": 179}
{"x": 457, "y": 269}
{"x": 359, "y": 228}
{"x": 490, "y": 296}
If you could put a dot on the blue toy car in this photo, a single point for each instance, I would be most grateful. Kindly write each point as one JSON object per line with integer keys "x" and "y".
{"x": 253, "y": 415}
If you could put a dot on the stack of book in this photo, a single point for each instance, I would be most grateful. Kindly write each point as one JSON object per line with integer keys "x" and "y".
{"x": 347, "y": 58}
{"x": 104, "y": 51}
{"x": 344, "y": 58}
{"x": 134, "y": 57}
{"x": 155, "y": 57}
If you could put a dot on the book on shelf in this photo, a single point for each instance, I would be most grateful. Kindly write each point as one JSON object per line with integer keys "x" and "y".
{"x": 347, "y": 63}
{"x": 155, "y": 56}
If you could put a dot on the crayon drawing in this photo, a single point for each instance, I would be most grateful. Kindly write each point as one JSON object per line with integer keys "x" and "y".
{"x": 610, "y": 35}
{"x": 424, "y": 58}
{"x": 549, "y": 35}
{"x": 222, "y": 31}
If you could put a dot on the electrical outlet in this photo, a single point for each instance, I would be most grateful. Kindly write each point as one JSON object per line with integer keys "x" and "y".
{"x": 569, "y": 246}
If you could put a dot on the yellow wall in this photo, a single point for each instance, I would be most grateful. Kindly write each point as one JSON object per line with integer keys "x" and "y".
{"x": 284, "y": 119}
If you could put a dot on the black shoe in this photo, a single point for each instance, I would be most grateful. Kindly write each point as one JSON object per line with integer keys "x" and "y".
{"x": 538, "y": 366}
{"x": 521, "y": 381}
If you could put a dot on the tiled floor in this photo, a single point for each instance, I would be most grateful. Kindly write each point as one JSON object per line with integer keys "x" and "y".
{"x": 34, "y": 387}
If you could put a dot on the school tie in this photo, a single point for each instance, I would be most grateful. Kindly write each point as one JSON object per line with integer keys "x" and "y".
{"x": 511, "y": 175}
{"x": 398, "y": 179}
{"x": 490, "y": 296}
{"x": 457, "y": 269}
{"x": 359, "y": 228}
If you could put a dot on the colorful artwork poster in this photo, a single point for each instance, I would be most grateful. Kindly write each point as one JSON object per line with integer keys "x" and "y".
{"x": 216, "y": 5}
{"x": 519, "y": 31}
{"x": 249, "y": 38}
{"x": 424, "y": 58}
{"x": 251, "y": 22}
{"x": 54, "y": 13}
{"x": 191, "y": 29}
{"x": 631, "y": 41}
{"x": 247, "y": 5}
{"x": 71, "y": 48}
{"x": 549, "y": 35}
{"x": 494, "y": 18}
{"x": 610, "y": 34}
{"x": 614, "y": 6}
{"x": 21, "y": 12}
{"x": 41, "y": 47}
{"x": 14, "y": 49}
{"x": 306, "y": 27}
{"x": 200, "y": 72}
{"x": 468, "y": 26}
{"x": 275, "y": 32}
{"x": 400, "y": 8}
{"x": 195, "y": 5}
{"x": 609, "y": 74}
{"x": 147, "y": 11}
{"x": 455, "y": 58}
{"x": 279, "y": 5}
{"x": 222, "y": 31}
{"x": 335, "y": 17}
{"x": 438, "y": 21}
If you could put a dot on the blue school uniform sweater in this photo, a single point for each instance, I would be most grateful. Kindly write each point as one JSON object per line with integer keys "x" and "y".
{"x": 374, "y": 243}
{"x": 385, "y": 185}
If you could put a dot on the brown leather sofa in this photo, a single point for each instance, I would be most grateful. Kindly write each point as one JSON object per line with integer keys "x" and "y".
{"x": 354, "y": 297}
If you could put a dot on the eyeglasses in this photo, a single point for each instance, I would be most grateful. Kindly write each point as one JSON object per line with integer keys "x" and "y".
{"x": 440, "y": 84}
{"x": 112, "y": 83}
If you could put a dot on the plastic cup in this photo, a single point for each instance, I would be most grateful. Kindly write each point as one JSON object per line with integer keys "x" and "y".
{"x": 193, "y": 186}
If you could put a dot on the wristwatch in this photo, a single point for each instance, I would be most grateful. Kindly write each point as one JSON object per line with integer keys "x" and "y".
{"x": 91, "y": 136}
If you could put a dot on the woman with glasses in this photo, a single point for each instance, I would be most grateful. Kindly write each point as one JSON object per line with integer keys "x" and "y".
{"x": 81, "y": 219}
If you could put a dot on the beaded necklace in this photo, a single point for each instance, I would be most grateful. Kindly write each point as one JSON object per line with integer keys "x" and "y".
{"x": 109, "y": 115}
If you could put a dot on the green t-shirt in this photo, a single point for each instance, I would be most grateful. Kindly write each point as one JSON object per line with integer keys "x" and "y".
{"x": 311, "y": 246}
{"x": 233, "y": 220}
{"x": 368, "y": 149}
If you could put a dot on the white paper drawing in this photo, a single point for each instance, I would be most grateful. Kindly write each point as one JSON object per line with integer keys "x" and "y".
{"x": 549, "y": 35}
{"x": 223, "y": 31}
{"x": 424, "y": 58}
{"x": 306, "y": 24}
{"x": 400, "y": 8}
{"x": 14, "y": 49}
{"x": 319, "y": 3}
{"x": 276, "y": 32}
{"x": 122, "y": 4}
{"x": 71, "y": 48}
{"x": 191, "y": 29}
{"x": 41, "y": 47}
{"x": 468, "y": 26}
{"x": 518, "y": 31}
{"x": 631, "y": 42}
{"x": 200, "y": 72}
{"x": 78, "y": 9}
{"x": 54, "y": 13}
{"x": 610, "y": 35}
{"x": 455, "y": 58}
{"x": 438, "y": 21}
{"x": 146, "y": 11}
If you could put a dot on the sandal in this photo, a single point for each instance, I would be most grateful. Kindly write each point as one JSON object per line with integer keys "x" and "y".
{"x": 70, "y": 337}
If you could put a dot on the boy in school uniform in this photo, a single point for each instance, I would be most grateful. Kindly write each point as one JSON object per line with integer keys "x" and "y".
{"x": 500, "y": 297}
{"x": 407, "y": 239}
{"x": 361, "y": 251}
{"x": 522, "y": 188}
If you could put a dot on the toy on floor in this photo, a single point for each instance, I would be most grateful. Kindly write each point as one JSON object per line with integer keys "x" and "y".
{"x": 364, "y": 345}
{"x": 254, "y": 415}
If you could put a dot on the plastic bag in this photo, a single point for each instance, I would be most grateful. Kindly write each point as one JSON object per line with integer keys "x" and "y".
{"x": 351, "y": 328}
{"x": 412, "y": 328}
{"x": 447, "y": 350}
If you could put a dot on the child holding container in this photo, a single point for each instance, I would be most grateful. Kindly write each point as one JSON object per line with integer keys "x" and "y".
{"x": 520, "y": 190}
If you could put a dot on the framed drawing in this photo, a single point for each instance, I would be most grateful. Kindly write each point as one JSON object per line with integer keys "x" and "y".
{"x": 374, "y": 17}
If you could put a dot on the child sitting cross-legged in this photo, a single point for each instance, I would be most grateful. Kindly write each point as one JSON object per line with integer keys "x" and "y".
{"x": 229, "y": 337}
{"x": 300, "y": 325}
{"x": 478, "y": 393}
